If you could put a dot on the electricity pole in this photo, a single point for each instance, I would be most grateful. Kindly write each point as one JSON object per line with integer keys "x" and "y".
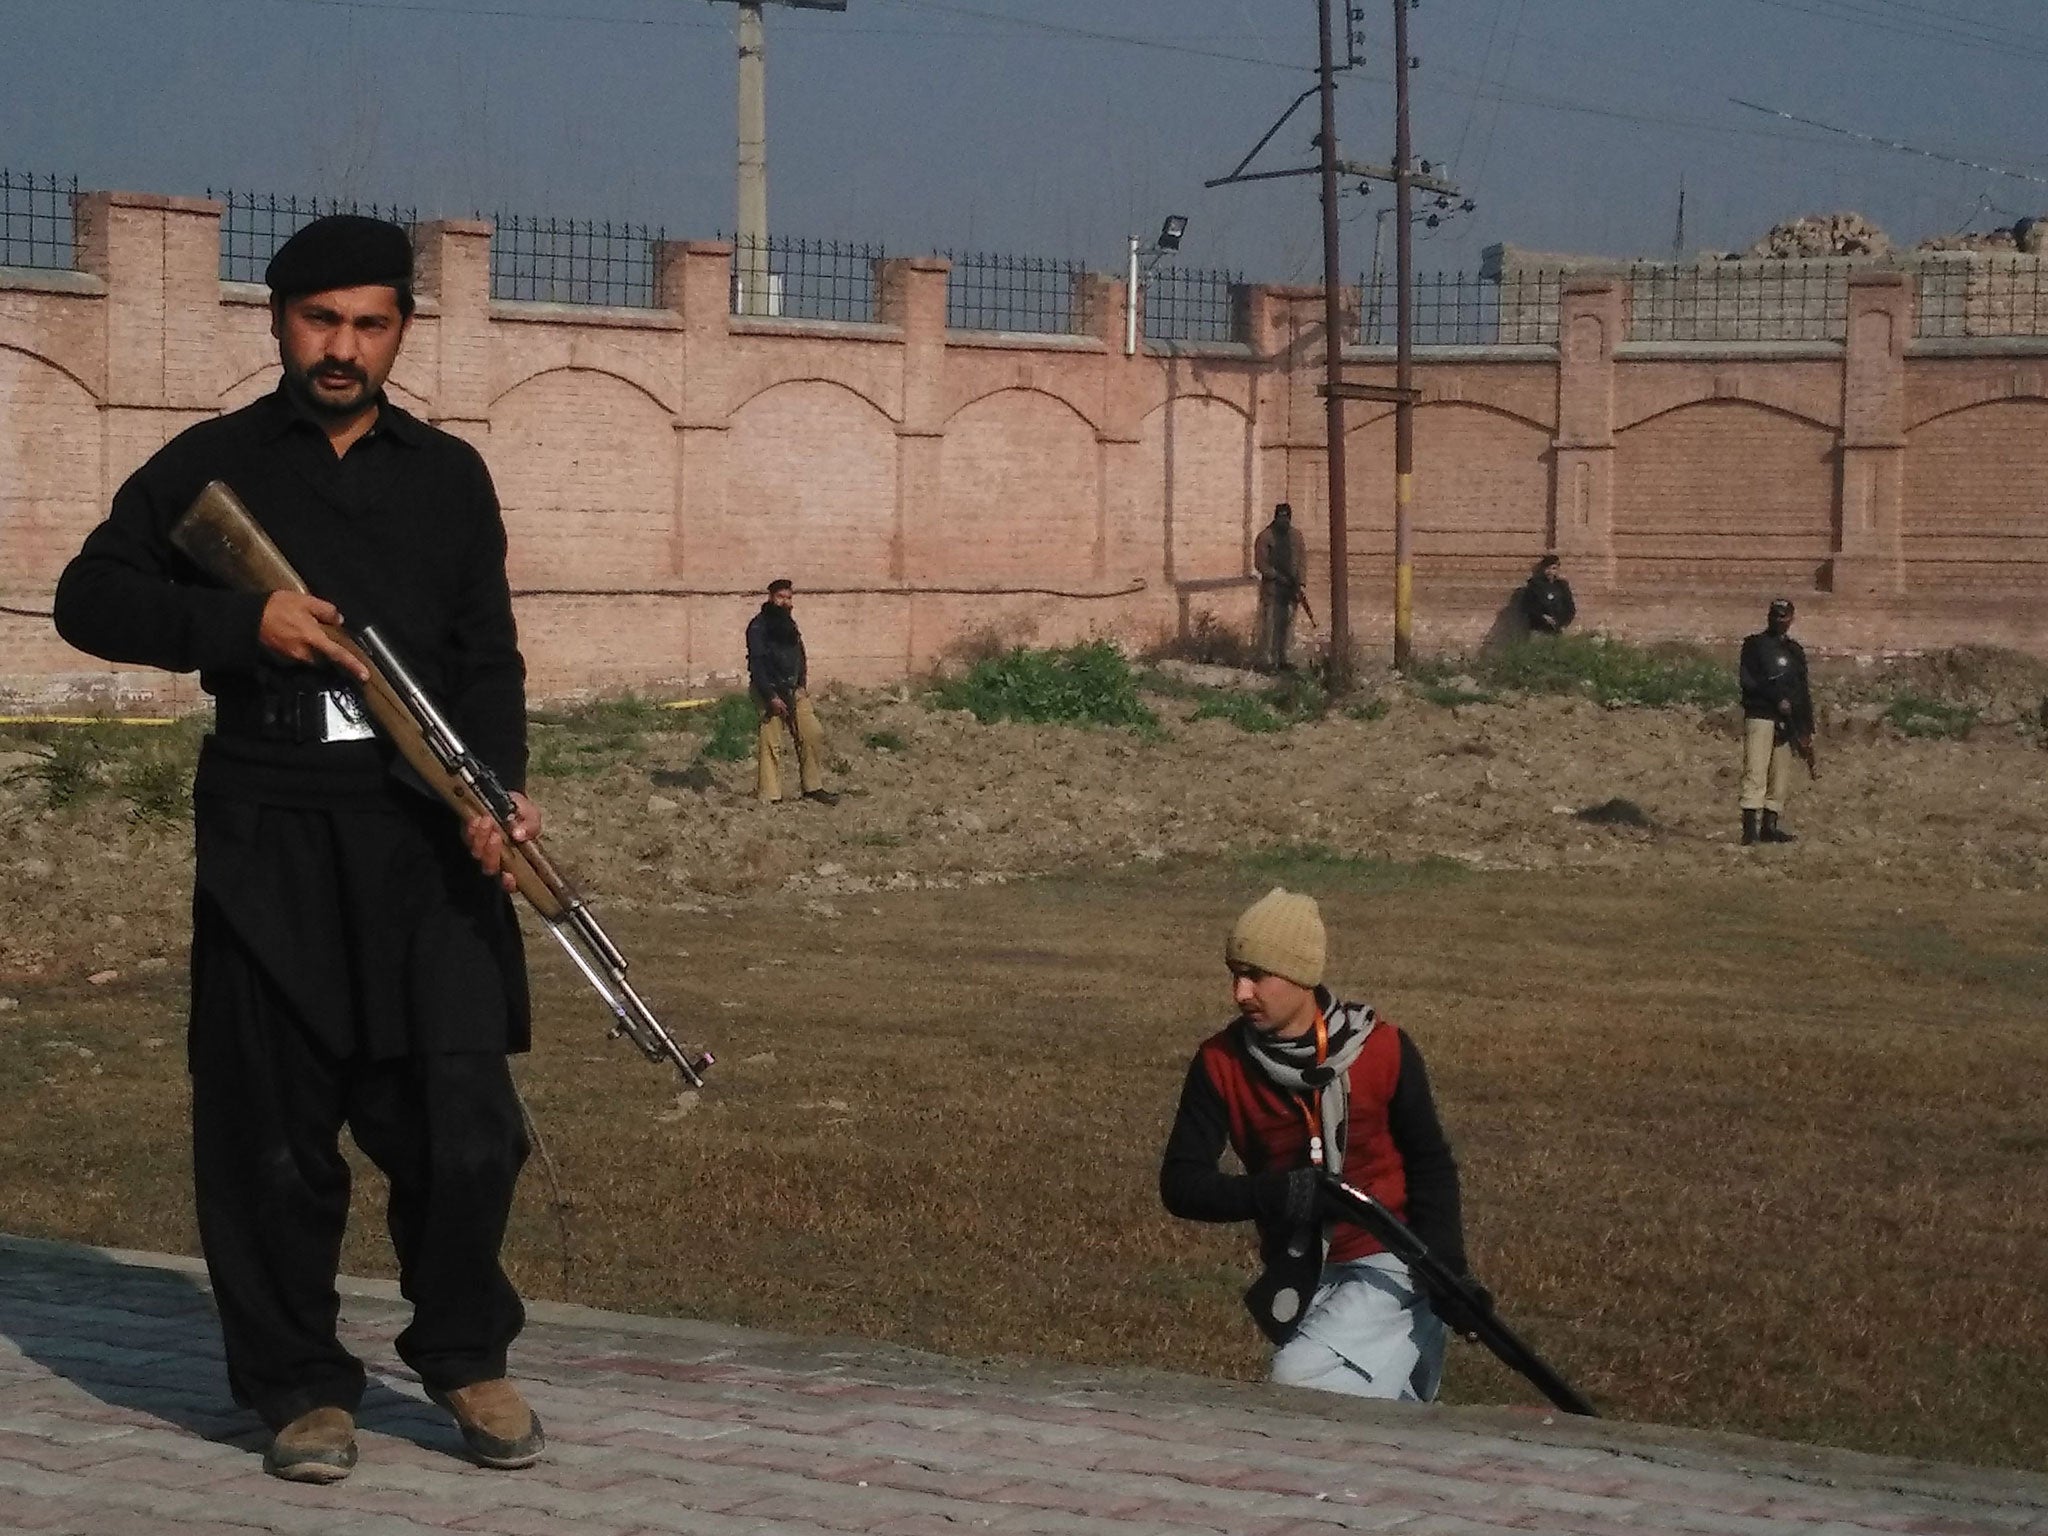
{"x": 1333, "y": 364}
{"x": 1404, "y": 350}
{"x": 750, "y": 229}
{"x": 1336, "y": 389}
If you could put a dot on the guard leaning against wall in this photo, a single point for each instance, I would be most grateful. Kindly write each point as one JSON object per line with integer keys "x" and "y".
{"x": 350, "y": 965}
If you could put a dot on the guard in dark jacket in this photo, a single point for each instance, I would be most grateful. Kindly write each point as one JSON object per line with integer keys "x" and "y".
{"x": 1547, "y": 605}
{"x": 1777, "y": 716}
{"x": 778, "y": 673}
{"x": 351, "y": 965}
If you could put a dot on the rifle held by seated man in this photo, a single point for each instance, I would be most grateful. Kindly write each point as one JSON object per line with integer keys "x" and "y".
{"x": 1474, "y": 1303}
{"x": 225, "y": 541}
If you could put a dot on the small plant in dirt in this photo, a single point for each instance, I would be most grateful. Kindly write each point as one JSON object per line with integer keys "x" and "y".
{"x": 71, "y": 771}
{"x": 732, "y": 725}
{"x": 1914, "y": 715}
{"x": 157, "y": 784}
{"x": 1609, "y": 670}
{"x": 1374, "y": 708}
{"x": 1297, "y": 696}
{"x": 885, "y": 741}
{"x": 1207, "y": 641}
{"x": 1450, "y": 695}
{"x": 1088, "y": 684}
{"x": 1243, "y": 710}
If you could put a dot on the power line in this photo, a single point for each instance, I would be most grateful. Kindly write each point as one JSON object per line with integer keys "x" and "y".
{"x": 1866, "y": 19}
{"x": 1891, "y": 144}
{"x": 1088, "y": 34}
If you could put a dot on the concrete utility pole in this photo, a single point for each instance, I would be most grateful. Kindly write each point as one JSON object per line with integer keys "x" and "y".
{"x": 750, "y": 228}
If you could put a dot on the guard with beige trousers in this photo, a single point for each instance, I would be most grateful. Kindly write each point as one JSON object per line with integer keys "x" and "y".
{"x": 777, "y": 673}
{"x": 1777, "y": 723}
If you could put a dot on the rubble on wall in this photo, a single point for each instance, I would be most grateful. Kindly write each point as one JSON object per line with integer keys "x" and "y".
{"x": 2028, "y": 236}
{"x": 1823, "y": 234}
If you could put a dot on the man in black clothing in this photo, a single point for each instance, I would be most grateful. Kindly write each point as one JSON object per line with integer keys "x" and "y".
{"x": 350, "y": 965}
{"x": 1281, "y": 560}
{"x": 1298, "y": 1083}
{"x": 1777, "y": 717}
{"x": 777, "y": 672}
{"x": 1547, "y": 604}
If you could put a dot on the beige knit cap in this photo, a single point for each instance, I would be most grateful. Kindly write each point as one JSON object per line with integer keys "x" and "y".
{"x": 1282, "y": 934}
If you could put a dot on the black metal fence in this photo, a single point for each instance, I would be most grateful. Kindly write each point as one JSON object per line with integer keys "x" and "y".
{"x": 1739, "y": 301}
{"x": 1191, "y": 304}
{"x": 1464, "y": 309}
{"x": 254, "y": 224}
{"x": 1014, "y": 293}
{"x": 1985, "y": 295}
{"x": 35, "y": 220}
{"x": 574, "y": 261}
{"x": 804, "y": 279}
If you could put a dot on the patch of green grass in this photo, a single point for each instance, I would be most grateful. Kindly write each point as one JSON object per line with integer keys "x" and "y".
{"x": 885, "y": 741}
{"x": 1915, "y": 715}
{"x": 732, "y": 726}
{"x": 626, "y": 715}
{"x": 1245, "y": 711}
{"x": 1207, "y": 641}
{"x": 1610, "y": 671}
{"x": 1308, "y": 865}
{"x": 1374, "y": 708}
{"x": 1088, "y": 684}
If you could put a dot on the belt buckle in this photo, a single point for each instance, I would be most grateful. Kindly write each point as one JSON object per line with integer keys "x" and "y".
{"x": 338, "y": 716}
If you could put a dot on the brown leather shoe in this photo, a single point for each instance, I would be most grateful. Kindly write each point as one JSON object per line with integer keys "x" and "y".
{"x": 316, "y": 1447}
{"x": 497, "y": 1426}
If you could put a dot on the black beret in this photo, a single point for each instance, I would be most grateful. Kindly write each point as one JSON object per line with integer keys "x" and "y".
{"x": 343, "y": 250}
{"x": 1781, "y": 605}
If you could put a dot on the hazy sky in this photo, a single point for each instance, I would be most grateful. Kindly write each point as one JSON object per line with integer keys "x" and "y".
{"x": 1053, "y": 127}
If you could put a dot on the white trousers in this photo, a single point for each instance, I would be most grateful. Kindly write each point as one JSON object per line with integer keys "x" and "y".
{"x": 1369, "y": 1333}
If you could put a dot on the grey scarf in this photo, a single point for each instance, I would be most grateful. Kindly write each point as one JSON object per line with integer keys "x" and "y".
{"x": 1291, "y": 1066}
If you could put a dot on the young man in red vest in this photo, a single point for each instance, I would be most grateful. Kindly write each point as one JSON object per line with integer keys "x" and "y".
{"x": 1301, "y": 1081}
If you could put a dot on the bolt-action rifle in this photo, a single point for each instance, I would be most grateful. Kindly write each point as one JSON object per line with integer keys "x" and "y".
{"x": 225, "y": 541}
{"x": 1438, "y": 1279}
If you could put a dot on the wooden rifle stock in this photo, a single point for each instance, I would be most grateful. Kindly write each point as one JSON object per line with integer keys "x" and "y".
{"x": 225, "y": 540}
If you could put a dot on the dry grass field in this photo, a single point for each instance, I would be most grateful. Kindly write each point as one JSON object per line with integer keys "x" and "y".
{"x": 1740, "y": 1151}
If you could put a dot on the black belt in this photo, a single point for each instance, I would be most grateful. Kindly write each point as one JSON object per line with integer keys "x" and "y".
{"x": 301, "y": 718}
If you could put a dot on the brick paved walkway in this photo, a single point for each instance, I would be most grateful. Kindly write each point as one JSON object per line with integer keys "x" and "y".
{"x": 115, "y": 1421}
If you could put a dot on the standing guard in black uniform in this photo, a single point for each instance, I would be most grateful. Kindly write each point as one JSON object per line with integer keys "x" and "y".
{"x": 350, "y": 965}
{"x": 1777, "y": 717}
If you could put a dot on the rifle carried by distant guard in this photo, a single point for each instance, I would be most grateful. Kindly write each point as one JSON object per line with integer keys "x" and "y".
{"x": 225, "y": 540}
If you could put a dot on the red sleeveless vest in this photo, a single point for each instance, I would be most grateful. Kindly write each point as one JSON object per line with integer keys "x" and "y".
{"x": 1267, "y": 1130}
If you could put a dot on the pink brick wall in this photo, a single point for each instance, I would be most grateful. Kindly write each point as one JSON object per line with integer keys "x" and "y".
{"x": 657, "y": 467}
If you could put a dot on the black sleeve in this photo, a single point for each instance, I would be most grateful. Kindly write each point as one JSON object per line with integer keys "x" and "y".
{"x": 1433, "y": 1203}
{"x": 1750, "y": 677}
{"x": 1802, "y": 692}
{"x": 1567, "y": 608}
{"x": 128, "y": 596}
{"x": 489, "y": 705}
{"x": 758, "y": 667}
{"x": 1191, "y": 1185}
{"x": 803, "y": 664}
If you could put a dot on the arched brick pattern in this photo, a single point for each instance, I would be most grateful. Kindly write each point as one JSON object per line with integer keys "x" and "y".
{"x": 50, "y": 491}
{"x": 585, "y": 469}
{"x": 811, "y": 493}
{"x": 1020, "y": 493}
{"x": 1976, "y": 512}
{"x": 1724, "y": 493}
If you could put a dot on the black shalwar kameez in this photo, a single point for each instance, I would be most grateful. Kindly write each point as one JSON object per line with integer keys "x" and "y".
{"x": 350, "y": 963}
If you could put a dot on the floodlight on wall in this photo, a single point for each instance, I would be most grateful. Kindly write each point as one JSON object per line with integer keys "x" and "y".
{"x": 1170, "y": 235}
